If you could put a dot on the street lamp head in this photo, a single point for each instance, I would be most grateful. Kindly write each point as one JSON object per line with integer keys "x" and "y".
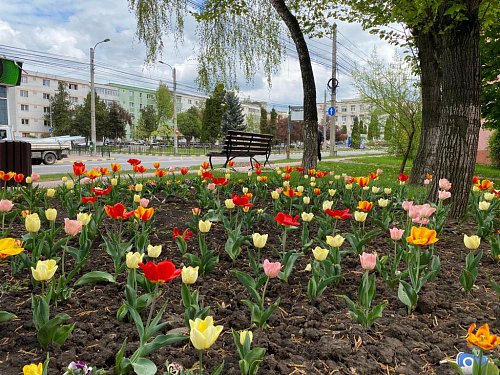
{"x": 106, "y": 40}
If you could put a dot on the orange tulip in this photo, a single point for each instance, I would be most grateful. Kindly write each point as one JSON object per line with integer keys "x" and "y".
{"x": 286, "y": 177}
{"x": 186, "y": 170}
{"x": 104, "y": 171}
{"x": 311, "y": 172}
{"x": 115, "y": 167}
{"x": 144, "y": 214}
{"x": 78, "y": 168}
{"x": 139, "y": 168}
{"x": 317, "y": 191}
{"x": 288, "y": 169}
{"x": 8, "y": 176}
{"x": 292, "y": 193}
{"x": 93, "y": 174}
{"x": 263, "y": 178}
{"x": 422, "y": 236}
{"x": 482, "y": 338}
{"x": 230, "y": 163}
{"x": 156, "y": 165}
{"x": 485, "y": 185}
{"x": 205, "y": 165}
{"x": 363, "y": 181}
{"x": 160, "y": 172}
{"x": 365, "y": 206}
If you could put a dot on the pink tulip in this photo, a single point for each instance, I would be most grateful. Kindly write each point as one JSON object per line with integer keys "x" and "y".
{"x": 6, "y": 205}
{"x": 348, "y": 179}
{"x": 444, "y": 194}
{"x": 368, "y": 261}
{"x": 444, "y": 184}
{"x": 72, "y": 227}
{"x": 421, "y": 220}
{"x": 406, "y": 205}
{"x": 85, "y": 181}
{"x": 396, "y": 233}
{"x": 211, "y": 186}
{"x": 427, "y": 181}
{"x": 271, "y": 269}
{"x": 144, "y": 202}
{"x": 379, "y": 171}
{"x": 279, "y": 190}
{"x": 35, "y": 177}
{"x": 427, "y": 210}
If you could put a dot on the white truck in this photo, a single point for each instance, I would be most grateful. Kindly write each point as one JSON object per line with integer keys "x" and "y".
{"x": 44, "y": 150}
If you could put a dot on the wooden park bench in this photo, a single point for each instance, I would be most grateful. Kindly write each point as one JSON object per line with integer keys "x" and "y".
{"x": 243, "y": 144}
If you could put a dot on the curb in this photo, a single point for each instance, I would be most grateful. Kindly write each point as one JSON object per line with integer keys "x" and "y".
{"x": 82, "y": 160}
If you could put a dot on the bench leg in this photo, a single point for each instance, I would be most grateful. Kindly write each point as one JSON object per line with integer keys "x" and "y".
{"x": 251, "y": 162}
{"x": 267, "y": 160}
{"x": 210, "y": 161}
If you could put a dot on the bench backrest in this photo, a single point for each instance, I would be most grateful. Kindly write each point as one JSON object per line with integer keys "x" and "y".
{"x": 238, "y": 141}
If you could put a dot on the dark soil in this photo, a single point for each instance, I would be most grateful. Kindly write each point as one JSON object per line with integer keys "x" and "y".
{"x": 303, "y": 337}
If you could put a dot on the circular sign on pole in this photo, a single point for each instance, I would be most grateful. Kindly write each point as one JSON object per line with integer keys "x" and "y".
{"x": 331, "y": 111}
{"x": 50, "y": 130}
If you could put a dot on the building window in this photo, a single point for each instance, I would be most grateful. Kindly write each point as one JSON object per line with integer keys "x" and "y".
{"x": 23, "y": 93}
{"x": 131, "y": 104}
{"x": 46, "y": 122}
{"x": 140, "y": 106}
{"x": 25, "y": 107}
{"x": 24, "y": 79}
{"x": 140, "y": 95}
{"x": 46, "y": 109}
{"x": 190, "y": 101}
{"x": 197, "y": 102}
{"x": 178, "y": 100}
{"x": 46, "y": 82}
{"x": 25, "y": 121}
{"x": 73, "y": 100}
{"x": 344, "y": 108}
{"x": 73, "y": 86}
{"x": 352, "y": 119}
{"x": 46, "y": 96}
{"x": 361, "y": 107}
{"x": 131, "y": 93}
{"x": 344, "y": 119}
{"x": 26, "y": 134}
{"x": 353, "y": 108}
{"x": 150, "y": 96}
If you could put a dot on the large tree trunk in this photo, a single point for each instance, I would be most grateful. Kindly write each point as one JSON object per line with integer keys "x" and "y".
{"x": 407, "y": 151}
{"x": 459, "y": 121}
{"x": 309, "y": 158}
{"x": 429, "y": 55}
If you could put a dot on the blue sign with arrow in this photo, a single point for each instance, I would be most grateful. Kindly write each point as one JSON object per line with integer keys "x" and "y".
{"x": 331, "y": 111}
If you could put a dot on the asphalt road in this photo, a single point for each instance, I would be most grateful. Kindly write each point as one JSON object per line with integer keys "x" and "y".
{"x": 66, "y": 165}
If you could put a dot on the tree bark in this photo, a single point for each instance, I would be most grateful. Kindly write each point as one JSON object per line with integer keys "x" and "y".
{"x": 429, "y": 55}
{"x": 407, "y": 151}
{"x": 309, "y": 158}
{"x": 459, "y": 120}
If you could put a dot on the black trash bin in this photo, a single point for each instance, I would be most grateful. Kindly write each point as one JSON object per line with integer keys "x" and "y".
{"x": 15, "y": 156}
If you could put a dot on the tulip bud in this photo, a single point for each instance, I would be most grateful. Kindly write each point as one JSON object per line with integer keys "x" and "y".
{"x": 114, "y": 181}
{"x": 244, "y": 335}
{"x": 275, "y": 194}
{"x": 64, "y": 179}
{"x": 51, "y": 193}
{"x": 189, "y": 275}
{"x": 308, "y": 267}
{"x": 32, "y": 223}
{"x": 348, "y": 186}
{"x": 336, "y": 241}
{"x": 313, "y": 184}
{"x": 259, "y": 240}
{"x": 472, "y": 242}
{"x": 307, "y": 217}
{"x": 196, "y": 211}
{"x": 320, "y": 254}
{"x": 244, "y": 190}
{"x": 51, "y": 214}
{"x": 260, "y": 211}
{"x": 246, "y": 209}
{"x": 204, "y": 226}
{"x": 133, "y": 259}
{"x": 313, "y": 179}
{"x": 368, "y": 261}
{"x": 331, "y": 192}
{"x": 306, "y": 200}
{"x": 29, "y": 180}
{"x": 154, "y": 251}
{"x": 249, "y": 174}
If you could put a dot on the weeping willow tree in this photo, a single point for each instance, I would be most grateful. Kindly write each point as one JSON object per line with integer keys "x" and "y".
{"x": 237, "y": 37}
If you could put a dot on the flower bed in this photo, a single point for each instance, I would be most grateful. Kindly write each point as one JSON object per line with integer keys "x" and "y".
{"x": 297, "y": 290}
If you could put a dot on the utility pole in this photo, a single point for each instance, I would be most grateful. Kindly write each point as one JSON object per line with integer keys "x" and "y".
{"x": 324, "y": 120}
{"x": 333, "y": 148}
{"x": 289, "y": 131}
{"x": 176, "y": 140}
{"x": 50, "y": 114}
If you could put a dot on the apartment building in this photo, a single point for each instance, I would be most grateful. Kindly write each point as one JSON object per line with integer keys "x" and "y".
{"x": 345, "y": 112}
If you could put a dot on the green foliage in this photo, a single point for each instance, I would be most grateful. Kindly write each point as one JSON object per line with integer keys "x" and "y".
{"x": 494, "y": 147}
{"x": 61, "y": 111}
{"x": 490, "y": 85}
{"x": 264, "y": 126}
{"x": 118, "y": 118}
{"x": 147, "y": 123}
{"x": 189, "y": 123}
{"x": 164, "y": 102}
{"x": 362, "y": 127}
{"x": 388, "y": 128}
{"x": 273, "y": 122}
{"x": 212, "y": 116}
{"x": 81, "y": 120}
{"x": 373, "y": 128}
{"x": 233, "y": 118}
{"x": 344, "y": 129}
{"x": 356, "y": 134}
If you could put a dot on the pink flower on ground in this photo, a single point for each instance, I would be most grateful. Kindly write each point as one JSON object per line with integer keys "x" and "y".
{"x": 211, "y": 186}
{"x": 144, "y": 202}
{"x": 72, "y": 227}
{"x": 271, "y": 269}
{"x": 427, "y": 181}
{"x": 444, "y": 194}
{"x": 421, "y": 211}
{"x": 444, "y": 184}
{"x": 35, "y": 177}
{"x": 406, "y": 205}
{"x": 396, "y": 233}
{"x": 368, "y": 261}
{"x": 171, "y": 169}
{"x": 6, "y": 205}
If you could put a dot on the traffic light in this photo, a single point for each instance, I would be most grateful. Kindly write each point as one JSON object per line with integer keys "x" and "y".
{"x": 10, "y": 72}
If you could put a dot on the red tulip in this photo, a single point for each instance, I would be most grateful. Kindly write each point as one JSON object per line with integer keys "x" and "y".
{"x": 299, "y": 169}
{"x": 89, "y": 199}
{"x": 339, "y": 214}
{"x": 139, "y": 168}
{"x": 221, "y": 181}
{"x": 207, "y": 175}
{"x": 144, "y": 214}
{"x": 156, "y": 165}
{"x": 287, "y": 220}
{"x": 160, "y": 172}
{"x": 241, "y": 201}
{"x": 133, "y": 161}
{"x": 161, "y": 272}
{"x": 78, "y": 168}
{"x": 185, "y": 234}
{"x": 231, "y": 163}
{"x": 118, "y": 211}
{"x": 101, "y": 192}
{"x": 19, "y": 178}
{"x": 403, "y": 177}
{"x": 184, "y": 170}
{"x": 288, "y": 169}
{"x": 205, "y": 165}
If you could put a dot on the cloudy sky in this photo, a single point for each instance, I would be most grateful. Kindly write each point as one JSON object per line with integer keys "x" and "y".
{"x": 67, "y": 29}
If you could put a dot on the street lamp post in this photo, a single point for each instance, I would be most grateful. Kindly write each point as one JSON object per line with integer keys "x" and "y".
{"x": 93, "y": 134}
{"x": 176, "y": 140}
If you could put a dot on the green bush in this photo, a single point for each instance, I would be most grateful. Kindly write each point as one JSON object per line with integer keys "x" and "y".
{"x": 494, "y": 148}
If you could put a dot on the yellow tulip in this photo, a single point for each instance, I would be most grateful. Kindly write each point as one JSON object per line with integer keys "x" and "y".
{"x": 249, "y": 173}
{"x": 154, "y": 251}
{"x": 320, "y": 254}
{"x": 133, "y": 259}
{"x": 306, "y": 200}
{"x": 286, "y": 183}
{"x": 484, "y": 206}
{"x": 29, "y": 180}
{"x": 313, "y": 179}
{"x": 70, "y": 185}
{"x": 33, "y": 369}
{"x": 204, "y": 226}
{"x": 244, "y": 335}
{"x": 259, "y": 240}
{"x": 327, "y": 205}
{"x": 275, "y": 194}
{"x": 84, "y": 217}
{"x": 64, "y": 179}
{"x": 203, "y": 332}
{"x": 387, "y": 191}
{"x": 138, "y": 188}
{"x": 244, "y": 190}
{"x": 489, "y": 196}
{"x": 114, "y": 181}
{"x": 137, "y": 198}
{"x": 383, "y": 202}
{"x": 360, "y": 216}
{"x": 227, "y": 176}
{"x": 51, "y": 214}
{"x": 45, "y": 270}
{"x": 348, "y": 186}
{"x": 229, "y": 204}
{"x": 475, "y": 189}
{"x": 472, "y": 242}
{"x": 336, "y": 241}
{"x": 300, "y": 189}
{"x": 32, "y": 223}
{"x": 51, "y": 192}
{"x": 9, "y": 247}
{"x": 189, "y": 275}
{"x": 313, "y": 184}
{"x": 308, "y": 267}
{"x": 332, "y": 192}
{"x": 306, "y": 217}
{"x": 375, "y": 189}
{"x": 337, "y": 177}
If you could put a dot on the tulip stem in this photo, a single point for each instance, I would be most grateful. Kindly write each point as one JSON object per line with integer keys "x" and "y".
{"x": 200, "y": 354}
{"x": 152, "y": 306}
{"x": 284, "y": 241}
{"x": 62, "y": 258}
{"x": 264, "y": 294}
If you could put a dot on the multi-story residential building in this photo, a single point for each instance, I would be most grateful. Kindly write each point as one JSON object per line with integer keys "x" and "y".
{"x": 345, "y": 112}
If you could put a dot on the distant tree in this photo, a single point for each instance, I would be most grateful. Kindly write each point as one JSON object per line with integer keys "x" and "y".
{"x": 61, "y": 111}
{"x": 373, "y": 127}
{"x": 212, "y": 116}
{"x": 296, "y": 131}
{"x": 253, "y": 123}
{"x": 118, "y": 118}
{"x": 164, "y": 103}
{"x": 356, "y": 134}
{"x": 344, "y": 129}
{"x": 388, "y": 129}
{"x": 362, "y": 127}
{"x": 147, "y": 123}
{"x": 264, "y": 125}
{"x": 189, "y": 124}
{"x": 272, "y": 123}
{"x": 81, "y": 118}
{"x": 233, "y": 118}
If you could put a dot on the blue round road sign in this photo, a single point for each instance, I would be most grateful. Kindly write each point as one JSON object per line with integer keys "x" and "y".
{"x": 331, "y": 111}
